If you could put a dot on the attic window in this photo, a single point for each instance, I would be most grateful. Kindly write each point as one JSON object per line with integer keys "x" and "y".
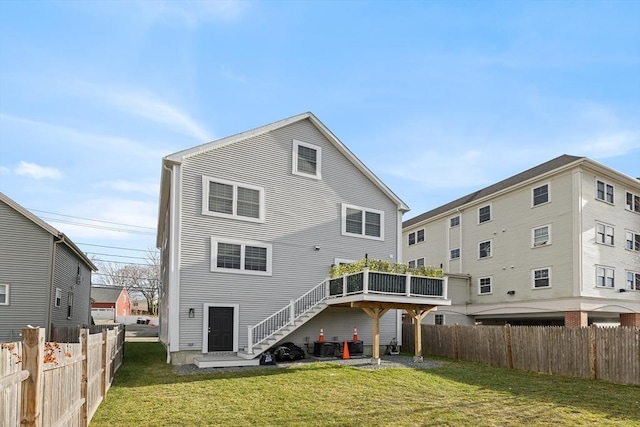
{"x": 306, "y": 160}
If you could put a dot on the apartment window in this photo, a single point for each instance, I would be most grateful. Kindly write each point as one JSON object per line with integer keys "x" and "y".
{"x": 541, "y": 195}
{"x": 541, "y": 278}
{"x": 228, "y": 199}
{"x": 604, "y": 191}
{"x": 58, "y": 297}
{"x": 416, "y": 237}
{"x": 484, "y": 285}
{"x": 633, "y": 280}
{"x": 484, "y": 214}
{"x": 604, "y": 234}
{"x": 605, "y": 277}
{"x": 541, "y": 236}
{"x": 411, "y": 264}
{"x": 420, "y": 262}
{"x": 632, "y": 202}
{"x": 242, "y": 257}
{"x": 439, "y": 319}
{"x": 306, "y": 159}
{"x": 484, "y": 249}
{"x": 4, "y": 294}
{"x": 632, "y": 241}
{"x": 455, "y": 221}
{"x": 361, "y": 222}
{"x": 70, "y": 306}
{"x": 455, "y": 253}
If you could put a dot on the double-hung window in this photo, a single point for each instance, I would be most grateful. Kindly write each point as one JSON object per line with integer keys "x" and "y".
{"x": 484, "y": 214}
{"x": 439, "y": 319}
{"x": 541, "y": 278}
{"x": 633, "y": 280}
{"x": 362, "y": 222}
{"x": 416, "y": 237}
{"x": 484, "y": 249}
{"x": 455, "y": 253}
{"x": 541, "y": 236}
{"x": 605, "y": 276}
{"x": 484, "y": 285}
{"x": 228, "y": 199}
{"x": 455, "y": 221}
{"x": 240, "y": 256}
{"x": 632, "y": 241}
{"x": 4, "y": 294}
{"x": 58, "y": 297}
{"x": 604, "y": 191}
{"x": 306, "y": 159}
{"x": 412, "y": 264}
{"x": 632, "y": 202}
{"x": 604, "y": 234}
{"x": 70, "y": 306}
{"x": 541, "y": 195}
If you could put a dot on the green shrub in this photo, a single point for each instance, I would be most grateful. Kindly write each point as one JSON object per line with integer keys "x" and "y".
{"x": 383, "y": 266}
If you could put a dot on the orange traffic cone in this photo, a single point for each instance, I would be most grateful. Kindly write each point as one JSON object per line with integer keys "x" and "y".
{"x": 355, "y": 333}
{"x": 321, "y": 337}
{"x": 345, "y": 351}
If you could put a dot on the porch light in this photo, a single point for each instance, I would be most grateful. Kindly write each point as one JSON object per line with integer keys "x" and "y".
{"x": 192, "y": 313}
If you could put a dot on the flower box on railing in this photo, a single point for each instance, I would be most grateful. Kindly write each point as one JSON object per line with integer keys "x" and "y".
{"x": 377, "y": 282}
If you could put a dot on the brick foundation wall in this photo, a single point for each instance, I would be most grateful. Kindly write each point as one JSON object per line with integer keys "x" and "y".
{"x": 630, "y": 319}
{"x": 576, "y": 319}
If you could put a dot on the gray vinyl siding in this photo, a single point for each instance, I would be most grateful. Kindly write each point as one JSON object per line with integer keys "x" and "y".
{"x": 300, "y": 213}
{"x": 65, "y": 278}
{"x": 25, "y": 259}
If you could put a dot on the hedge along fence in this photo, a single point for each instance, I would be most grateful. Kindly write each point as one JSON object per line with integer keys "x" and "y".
{"x": 56, "y": 384}
{"x": 609, "y": 354}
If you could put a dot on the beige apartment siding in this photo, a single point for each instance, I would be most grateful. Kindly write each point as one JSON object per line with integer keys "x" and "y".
{"x": 615, "y": 256}
{"x": 300, "y": 213}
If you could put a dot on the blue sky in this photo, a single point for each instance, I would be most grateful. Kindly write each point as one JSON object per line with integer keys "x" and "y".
{"x": 437, "y": 98}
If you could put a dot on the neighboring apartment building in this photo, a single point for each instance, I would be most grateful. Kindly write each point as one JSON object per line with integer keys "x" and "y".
{"x": 556, "y": 244}
{"x": 253, "y": 221}
{"x": 45, "y": 278}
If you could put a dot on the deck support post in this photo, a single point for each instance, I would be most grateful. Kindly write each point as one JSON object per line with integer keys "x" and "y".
{"x": 417, "y": 314}
{"x": 375, "y": 313}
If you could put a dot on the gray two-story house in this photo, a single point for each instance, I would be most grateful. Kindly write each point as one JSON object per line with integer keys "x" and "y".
{"x": 45, "y": 279}
{"x": 250, "y": 225}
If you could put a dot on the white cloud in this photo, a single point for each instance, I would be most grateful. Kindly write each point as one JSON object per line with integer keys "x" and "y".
{"x": 192, "y": 13}
{"x": 612, "y": 145}
{"x": 36, "y": 171}
{"x": 152, "y": 189}
{"x": 4, "y": 170}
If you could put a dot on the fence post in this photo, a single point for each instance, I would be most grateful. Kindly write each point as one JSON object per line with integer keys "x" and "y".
{"x": 593, "y": 351}
{"x": 32, "y": 387}
{"x": 507, "y": 344}
{"x": 84, "y": 410}
{"x": 456, "y": 345}
{"x": 105, "y": 358}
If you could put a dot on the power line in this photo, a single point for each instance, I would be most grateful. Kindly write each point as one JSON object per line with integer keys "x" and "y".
{"x": 122, "y": 262}
{"x": 116, "y": 247}
{"x": 117, "y": 256}
{"x": 90, "y": 219}
{"x": 61, "y": 221}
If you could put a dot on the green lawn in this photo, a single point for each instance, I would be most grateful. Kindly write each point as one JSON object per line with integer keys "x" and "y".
{"x": 147, "y": 392}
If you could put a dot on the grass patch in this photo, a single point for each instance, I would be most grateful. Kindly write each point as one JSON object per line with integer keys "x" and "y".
{"x": 146, "y": 391}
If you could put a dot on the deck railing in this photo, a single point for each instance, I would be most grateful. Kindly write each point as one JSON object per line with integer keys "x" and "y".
{"x": 388, "y": 283}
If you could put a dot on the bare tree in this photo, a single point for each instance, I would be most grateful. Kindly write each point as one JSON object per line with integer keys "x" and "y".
{"x": 137, "y": 278}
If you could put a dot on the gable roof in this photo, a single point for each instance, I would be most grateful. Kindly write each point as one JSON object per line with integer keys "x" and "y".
{"x": 541, "y": 169}
{"x": 105, "y": 293}
{"x": 48, "y": 228}
{"x": 180, "y": 156}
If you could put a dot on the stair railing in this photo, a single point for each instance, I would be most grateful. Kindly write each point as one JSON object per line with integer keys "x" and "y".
{"x": 286, "y": 315}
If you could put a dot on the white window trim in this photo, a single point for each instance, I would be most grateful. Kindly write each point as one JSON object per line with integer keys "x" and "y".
{"x": 294, "y": 158}
{"x": 633, "y": 236}
{"x": 490, "y": 250}
{"x": 70, "y": 298}
{"x": 607, "y": 267}
{"x": 605, "y": 234}
{"x": 214, "y": 256}
{"x": 533, "y": 205}
{"x": 206, "y": 180}
{"x": 415, "y": 237}
{"x": 435, "y": 317}
{"x": 57, "y": 298}
{"x": 533, "y": 278}
{"x": 450, "y": 254}
{"x": 626, "y": 206}
{"x": 360, "y": 208}
{"x": 338, "y": 261}
{"x": 6, "y": 287}
{"x": 605, "y": 192}
{"x": 533, "y": 237}
{"x": 491, "y": 281}
{"x": 490, "y": 205}
{"x": 459, "y": 220}
{"x": 627, "y": 287}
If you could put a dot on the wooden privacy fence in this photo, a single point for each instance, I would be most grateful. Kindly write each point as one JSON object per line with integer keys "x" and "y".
{"x": 609, "y": 354}
{"x": 57, "y": 384}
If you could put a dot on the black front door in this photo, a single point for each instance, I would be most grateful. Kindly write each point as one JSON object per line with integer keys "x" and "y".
{"x": 220, "y": 329}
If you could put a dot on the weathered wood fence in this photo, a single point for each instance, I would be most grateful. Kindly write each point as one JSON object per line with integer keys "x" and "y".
{"x": 609, "y": 354}
{"x": 57, "y": 384}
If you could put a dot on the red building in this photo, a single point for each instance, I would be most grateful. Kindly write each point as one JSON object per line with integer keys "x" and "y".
{"x": 107, "y": 302}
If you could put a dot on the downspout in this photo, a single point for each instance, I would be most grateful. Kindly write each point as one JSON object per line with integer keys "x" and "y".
{"x": 56, "y": 240}
{"x": 167, "y": 347}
